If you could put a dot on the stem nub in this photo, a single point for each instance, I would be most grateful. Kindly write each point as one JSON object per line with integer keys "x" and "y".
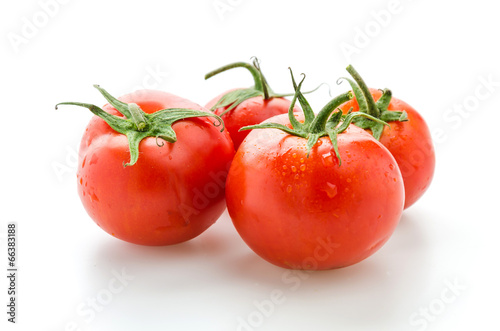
{"x": 138, "y": 116}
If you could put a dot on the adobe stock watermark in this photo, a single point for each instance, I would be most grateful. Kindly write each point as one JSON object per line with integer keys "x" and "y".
{"x": 224, "y": 7}
{"x": 364, "y": 35}
{"x": 455, "y": 116}
{"x": 291, "y": 278}
{"x": 91, "y": 306}
{"x": 31, "y": 25}
{"x": 436, "y": 307}
{"x": 154, "y": 77}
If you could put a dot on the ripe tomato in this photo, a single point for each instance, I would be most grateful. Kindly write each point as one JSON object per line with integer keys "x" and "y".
{"x": 174, "y": 190}
{"x": 297, "y": 207}
{"x": 242, "y": 107}
{"x": 249, "y": 112}
{"x": 409, "y": 141}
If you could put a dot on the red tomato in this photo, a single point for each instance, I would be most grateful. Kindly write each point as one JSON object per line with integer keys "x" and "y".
{"x": 251, "y": 111}
{"x": 174, "y": 191}
{"x": 410, "y": 143}
{"x": 302, "y": 210}
{"x": 247, "y": 106}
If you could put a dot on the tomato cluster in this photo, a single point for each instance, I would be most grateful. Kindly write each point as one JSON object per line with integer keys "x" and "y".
{"x": 303, "y": 190}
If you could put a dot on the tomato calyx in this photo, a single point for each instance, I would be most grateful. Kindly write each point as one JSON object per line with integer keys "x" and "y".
{"x": 316, "y": 126}
{"x": 137, "y": 125}
{"x": 368, "y": 105}
{"x": 261, "y": 88}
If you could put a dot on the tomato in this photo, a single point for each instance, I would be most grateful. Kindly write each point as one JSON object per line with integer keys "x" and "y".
{"x": 249, "y": 112}
{"x": 173, "y": 188}
{"x": 305, "y": 196}
{"x": 409, "y": 140}
{"x": 243, "y": 107}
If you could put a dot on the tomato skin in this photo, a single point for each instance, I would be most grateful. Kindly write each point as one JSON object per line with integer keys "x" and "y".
{"x": 304, "y": 212}
{"x": 411, "y": 145}
{"x": 173, "y": 193}
{"x": 249, "y": 112}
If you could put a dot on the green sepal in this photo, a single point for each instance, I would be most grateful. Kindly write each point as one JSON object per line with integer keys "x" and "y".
{"x": 122, "y": 107}
{"x": 368, "y": 105}
{"x": 234, "y": 98}
{"x": 384, "y": 100}
{"x": 306, "y": 108}
{"x": 317, "y": 126}
{"x": 137, "y": 124}
{"x": 274, "y": 126}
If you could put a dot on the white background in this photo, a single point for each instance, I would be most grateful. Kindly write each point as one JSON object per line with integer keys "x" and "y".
{"x": 439, "y": 271}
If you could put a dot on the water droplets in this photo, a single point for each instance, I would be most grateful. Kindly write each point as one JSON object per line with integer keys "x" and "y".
{"x": 93, "y": 197}
{"x": 327, "y": 159}
{"x": 94, "y": 159}
{"x": 330, "y": 189}
{"x": 302, "y": 167}
{"x": 289, "y": 189}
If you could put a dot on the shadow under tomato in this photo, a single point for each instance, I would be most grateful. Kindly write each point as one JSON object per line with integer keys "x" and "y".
{"x": 152, "y": 263}
{"x": 379, "y": 291}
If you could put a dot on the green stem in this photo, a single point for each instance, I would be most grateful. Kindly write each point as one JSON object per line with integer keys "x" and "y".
{"x": 319, "y": 123}
{"x": 370, "y": 103}
{"x": 257, "y": 76}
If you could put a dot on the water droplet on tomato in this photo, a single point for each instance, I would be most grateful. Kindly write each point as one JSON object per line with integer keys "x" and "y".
{"x": 93, "y": 197}
{"x": 330, "y": 189}
{"x": 294, "y": 155}
{"x": 289, "y": 188}
{"x": 297, "y": 176}
{"x": 391, "y": 166}
{"x": 301, "y": 160}
{"x": 302, "y": 167}
{"x": 285, "y": 167}
{"x": 327, "y": 159}
{"x": 83, "y": 163}
{"x": 294, "y": 169}
{"x": 94, "y": 159}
